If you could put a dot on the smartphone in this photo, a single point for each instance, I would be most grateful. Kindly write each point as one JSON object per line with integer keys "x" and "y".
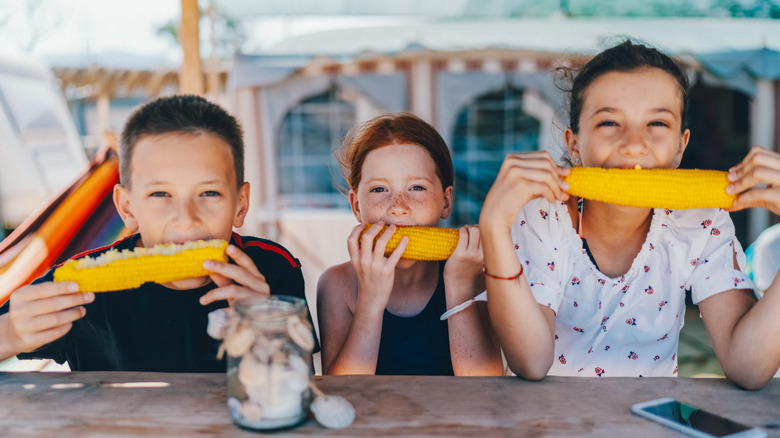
{"x": 693, "y": 421}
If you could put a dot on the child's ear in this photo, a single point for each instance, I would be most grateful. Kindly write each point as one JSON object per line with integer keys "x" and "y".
{"x": 572, "y": 145}
{"x": 686, "y": 135}
{"x": 353, "y": 202}
{"x": 242, "y": 207}
{"x": 445, "y": 212}
{"x": 125, "y": 208}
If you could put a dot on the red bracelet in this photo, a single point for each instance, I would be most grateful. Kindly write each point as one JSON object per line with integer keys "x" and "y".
{"x": 514, "y": 277}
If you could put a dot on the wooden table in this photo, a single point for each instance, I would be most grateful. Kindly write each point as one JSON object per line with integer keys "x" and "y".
{"x": 92, "y": 404}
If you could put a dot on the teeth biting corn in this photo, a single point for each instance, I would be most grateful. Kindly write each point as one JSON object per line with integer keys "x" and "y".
{"x": 425, "y": 243}
{"x": 653, "y": 188}
{"x": 127, "y": 269}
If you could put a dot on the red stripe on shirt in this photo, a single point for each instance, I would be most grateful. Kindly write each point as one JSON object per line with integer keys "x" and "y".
{"x": 94, "y": 250}
{"x": 268, "y": 247}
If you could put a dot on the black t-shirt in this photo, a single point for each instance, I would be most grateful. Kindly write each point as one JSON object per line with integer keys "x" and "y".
{"x": 417, "y": 345}
{"x": 154, "y": 328}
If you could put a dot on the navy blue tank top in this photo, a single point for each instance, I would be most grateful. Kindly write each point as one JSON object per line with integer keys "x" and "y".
{"x": 417, "y": 345}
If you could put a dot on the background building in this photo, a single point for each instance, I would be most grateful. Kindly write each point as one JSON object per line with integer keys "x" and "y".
{"x": 483, "y": 77}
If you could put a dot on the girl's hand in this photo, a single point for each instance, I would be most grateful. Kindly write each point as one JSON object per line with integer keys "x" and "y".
{"x": 523, "y": 177}
{"x": 235, "y": 281}
{"x": 760, "y": 166}
{"x": 374, "y": 271}
{"x": 464, "y": 267}
{"x": 39, "y": 314}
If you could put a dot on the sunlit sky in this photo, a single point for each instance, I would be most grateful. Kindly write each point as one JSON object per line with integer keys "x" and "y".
{"x": 73, "y": 32}
{"x": 90, "y": 26}
{"x": 80, "y": 28}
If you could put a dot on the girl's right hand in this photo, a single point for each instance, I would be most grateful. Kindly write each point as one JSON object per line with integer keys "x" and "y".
{"x": 760, "y": 166}
{"x": 375, "y": 272}
{"x": 41, "y": 313}
{"x": 522, "y": 177}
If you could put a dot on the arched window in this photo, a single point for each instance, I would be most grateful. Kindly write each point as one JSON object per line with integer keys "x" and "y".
{"x": 308, "y": 171}
{"x": 486, "y": 130}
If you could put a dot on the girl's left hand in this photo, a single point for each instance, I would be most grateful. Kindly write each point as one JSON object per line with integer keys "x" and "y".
{"x": 235, "y": 281}
{"x": 760, "y": 166}
{"x": 464, "y": 266}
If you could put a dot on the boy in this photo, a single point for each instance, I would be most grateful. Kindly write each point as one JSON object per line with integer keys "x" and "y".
{"x": 181, "y": 162}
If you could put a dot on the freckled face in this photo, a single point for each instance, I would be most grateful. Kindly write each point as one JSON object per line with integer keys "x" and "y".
{"x": 399, "y": 185}
{"x": 182, "y": 187}
{"x": 630, "y": 118}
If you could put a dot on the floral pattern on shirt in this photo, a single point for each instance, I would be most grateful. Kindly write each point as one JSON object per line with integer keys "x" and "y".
{"x": 629, "y": 325}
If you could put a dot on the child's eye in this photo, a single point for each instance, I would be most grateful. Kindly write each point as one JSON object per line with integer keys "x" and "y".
{"x": 211, "y": 193}
{"x": 607, "y": 123}
{"x": 377, "y": 190}
{"x": 159, "y": 195}
{"x": 659, "y": 123}
{"x": 418, "y": 188}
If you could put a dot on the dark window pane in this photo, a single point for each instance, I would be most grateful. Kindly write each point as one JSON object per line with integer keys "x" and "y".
{"x": 309, "y": 174}
{"x": 486, "y": 130}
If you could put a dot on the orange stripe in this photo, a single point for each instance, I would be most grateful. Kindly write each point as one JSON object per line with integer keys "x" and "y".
{"x": 59, "y": 228}
{"x": 63, "y": 224}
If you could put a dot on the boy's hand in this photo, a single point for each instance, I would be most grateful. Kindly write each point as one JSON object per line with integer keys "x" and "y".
{"x": 235, "y": 281}
{"x": 464, "y": 267}
{"x": 760, "y": 166}
{"x": 41, "y": 313}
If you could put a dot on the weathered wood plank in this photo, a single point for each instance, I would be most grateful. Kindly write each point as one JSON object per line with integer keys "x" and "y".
{"x": 172, "y": 405}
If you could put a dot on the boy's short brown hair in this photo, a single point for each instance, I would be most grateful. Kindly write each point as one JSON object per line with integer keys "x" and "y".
{"x": 186, "y": 114}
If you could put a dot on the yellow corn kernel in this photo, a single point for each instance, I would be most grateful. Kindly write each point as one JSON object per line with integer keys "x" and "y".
{"x": 653, "y": 188}
{"x": 425, "y": 243}
{"x": 166, "y": 262}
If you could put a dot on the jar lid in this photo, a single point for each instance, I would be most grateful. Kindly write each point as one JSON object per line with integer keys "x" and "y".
{"x": 269, "y": 310}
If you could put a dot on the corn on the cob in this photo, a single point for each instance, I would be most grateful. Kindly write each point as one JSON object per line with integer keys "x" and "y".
{"x": 115, "y": 270}
{"x": 653, "y": 188}
{"x": 425, "y": 243}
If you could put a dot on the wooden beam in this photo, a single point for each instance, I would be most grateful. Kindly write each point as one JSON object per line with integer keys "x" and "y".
{"x": 191, "y": 73}
{"x": 213, "y": 82}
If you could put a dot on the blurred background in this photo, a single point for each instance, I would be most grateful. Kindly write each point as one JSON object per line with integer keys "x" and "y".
{"x": 299, "y": 73}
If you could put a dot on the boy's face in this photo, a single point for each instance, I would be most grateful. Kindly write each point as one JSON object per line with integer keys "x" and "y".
{"x": 182, "y": 188}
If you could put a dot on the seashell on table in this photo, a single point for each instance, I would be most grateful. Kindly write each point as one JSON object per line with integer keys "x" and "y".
{"x": 331, "y": 411}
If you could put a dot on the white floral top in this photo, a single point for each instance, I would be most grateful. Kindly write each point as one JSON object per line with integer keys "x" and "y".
{"x": 626, "y": 326}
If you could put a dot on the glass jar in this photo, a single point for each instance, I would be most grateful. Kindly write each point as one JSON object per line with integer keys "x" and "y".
{"x": 269, "y": 343}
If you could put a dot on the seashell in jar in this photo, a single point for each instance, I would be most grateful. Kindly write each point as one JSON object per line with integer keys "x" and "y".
{"x": 261, "y": 353}
{"x": 218, "y": 322}
{"x": 261, "y": 341}
{"x": 259, "y": 393}
{"x": 240, "y": 340}
{"x": 333, "y": 411}
{"x": 234, "y": 405}
{"x": 300, "y": 366}
{"x": 252, "y": 412}
{"x": 283, "y": 405}
{"x": 251, "y": 371}
{"x": 295, "y": 382}
{"x": 277, "y": 375}
{"x": 279, "y": 357}
{"x": 300, "y": 333}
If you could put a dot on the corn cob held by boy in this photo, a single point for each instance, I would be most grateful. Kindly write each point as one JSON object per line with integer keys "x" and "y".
{"x": 425, "y": 243}
{"x": 652, "y": 188}
{"x": 162, "y": 263}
